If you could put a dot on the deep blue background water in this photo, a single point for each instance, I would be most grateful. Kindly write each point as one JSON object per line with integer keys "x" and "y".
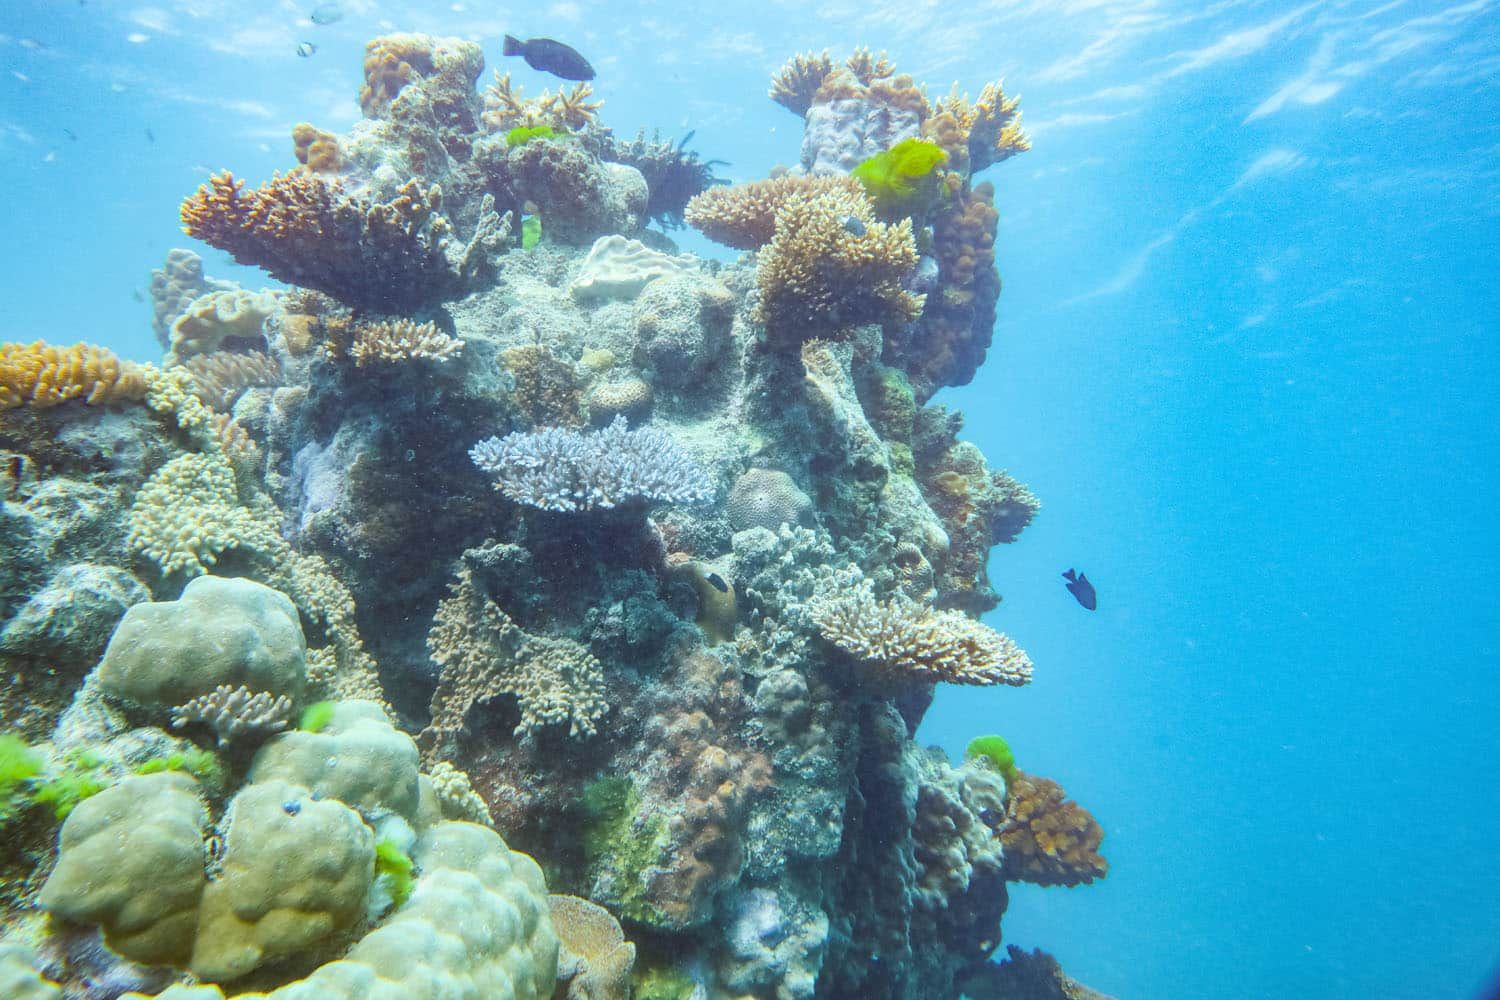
{"x": 1246, "y": 356}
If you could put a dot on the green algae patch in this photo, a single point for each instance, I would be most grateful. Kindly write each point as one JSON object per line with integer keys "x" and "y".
{"x": 200, "y": 763}
{"x": 661, "y": 982}
{"x": 316, "y": 717}
{"x": 995, "y": 752}
{"x": 615, "y": 838}
{"x": 522, "y": 134}
{"x": 901, "y": 178}
{"x": 19, "y": 764}
{"x": 531, "y": 232}
{"x": 395, "y": 867}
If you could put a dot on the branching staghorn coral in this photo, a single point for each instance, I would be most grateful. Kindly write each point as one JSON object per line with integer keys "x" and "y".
{"x": 795, "y": 83}
{"x": 233, "y": 712}
{"x": 394, "y": 341}
{"x": 564, "y": 470}
{"x": 389, "y": 257}
{"x": 905, "y": 639}
{"x": 991, "y": 126}
{"x": 830, "y": 266}
{"x": 569, "y": 110}
{"x": 744, "y": 215}
{"x": 1049, "y": 839}
{"x": 40, "y": 375}
{"x": 483, "y": 654}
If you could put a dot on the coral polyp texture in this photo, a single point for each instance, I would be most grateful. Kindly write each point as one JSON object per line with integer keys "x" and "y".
{"x": 517, "y": 606}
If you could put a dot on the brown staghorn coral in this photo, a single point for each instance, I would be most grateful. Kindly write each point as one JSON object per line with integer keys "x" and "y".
{"x": 481, "y": 654}
{"x": 221, "y": 377}
{"x": 390, "y": 257}
{"x": 991, "y": 126}
{"x": 394, "y": 341}
{"x": 744, "y": 216}
{"x": 316, "y": 149}
{"x": 41, "y": 375}
{"x": 1049, "y": 839}
{"x": 822, "y": 274}
{"x": 795, "y": 83}
{"x": 905, "y": 639}
{"x": 566, "y": 110}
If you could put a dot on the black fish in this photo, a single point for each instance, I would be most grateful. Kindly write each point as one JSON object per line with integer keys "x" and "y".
{"x": 550, "y": 57}
{"x": 718, "y": 583}
{"x": 1080, "y": 588}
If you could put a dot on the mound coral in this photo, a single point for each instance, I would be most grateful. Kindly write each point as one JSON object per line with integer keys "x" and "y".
{"x": 1049, "y": 839}
{"x": 545, "y": 390}
{"x": 316, "y": 149}
{"x": 394, "y": 256}
{"x": 904, "y": 639}
{"x": 40, "y": 375}
{"x": 219, "y": 320}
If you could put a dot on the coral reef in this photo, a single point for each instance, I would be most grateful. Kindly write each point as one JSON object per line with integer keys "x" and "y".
{"x": 680, "y": 658}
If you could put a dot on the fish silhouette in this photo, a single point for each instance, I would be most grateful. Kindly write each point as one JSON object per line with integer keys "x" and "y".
{"x": 1078, "y": 585}
{"x": 549, "y": 56}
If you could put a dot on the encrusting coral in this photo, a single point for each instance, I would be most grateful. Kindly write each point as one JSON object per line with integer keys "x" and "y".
{"x": 40, "y": 375}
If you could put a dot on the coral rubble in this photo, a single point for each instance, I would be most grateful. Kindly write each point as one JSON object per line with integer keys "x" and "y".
{"x": 516, "y": 605}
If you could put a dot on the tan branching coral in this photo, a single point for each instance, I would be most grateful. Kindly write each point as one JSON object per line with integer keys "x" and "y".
{"x": 483, "y": 654}
{"x": 234, "y": 712}
{"x": 830, "y": 266}
{"x": 40, "y": 375}
{"x": 905, "y": 639}
{"x": 316, "y": 149}
{"x": 221, "y": 377}
{"x": 188, "y": 514}
{"x": 394, "y": 341}
{"x": 1049, "y": 839}
{"x": 595, "y": 959}
{"x": 456, "y": 794}
{"x": 566, "y": 110}
{"x": 744, "y": 215}
{"x": 390, "y": 257}
{"x": 868, "y": 68}
{"x": 795, "y": 83}
{"x": 991, "y": 125}
{"x": 545, "y": 388}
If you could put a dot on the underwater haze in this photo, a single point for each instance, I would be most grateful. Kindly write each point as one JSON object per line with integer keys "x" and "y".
{"x": 1245, "y": 357}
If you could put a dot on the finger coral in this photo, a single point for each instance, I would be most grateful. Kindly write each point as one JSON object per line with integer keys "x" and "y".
{"x": 1049, "y": 839}
{"x": 563, "y": 470}
{"x": 830, "y": 266}
{"x": 394, "y": 256}
{"x": 744, "y": 216}
{"x": 41, "y": 375}
{"x": 316, "y": 149}
{"x": 483, "y": 654}
{"x": 904, "y": 639}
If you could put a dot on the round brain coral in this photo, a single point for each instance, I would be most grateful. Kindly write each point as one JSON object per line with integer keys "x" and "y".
{"x": 767, "y": 498}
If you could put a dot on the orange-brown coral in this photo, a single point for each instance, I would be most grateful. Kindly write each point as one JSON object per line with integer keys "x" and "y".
{"x": 991, "y": 125}
{"x": 391, "y": 63}
{"x": 506, "y": 108}
{"x": 392, "y": 341}
{"x": 545, "y": 387}
{"x": 830, "y": 267}
{"x": 594, "y": 959}
{"x": 316, "y": 149}
{"x": 795, "y": 83}
{"x": 381, "y": 256}
{"x": 744, "y": 215}
{"x": 1049, "y": 839}
{"x": 42, "y": 375}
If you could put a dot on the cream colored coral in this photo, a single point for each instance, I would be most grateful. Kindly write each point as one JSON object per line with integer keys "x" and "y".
{"x": 906, "y": 639}
{"x": 42, "y": 375}
{"x": 457, "y": 796}
{"x": 392, "y": 341}
{"x": 188, "y": 514}
{"x": 211, "y": 319}
{"x": 744, "y": 215}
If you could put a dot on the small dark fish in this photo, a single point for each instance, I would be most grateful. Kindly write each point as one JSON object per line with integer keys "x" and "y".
{"x": 853, "y": 226}
{"x": 70, "y": 134}
{"x": 1080, "y": 588}
{"x": 305, "y": 49}
{"x": 548, "y": 56}
{"x": 150, "y": 136}
{"x": 135, "y": 293}
{"x": 718, "y": 583}
{"x": 326, "y": 13}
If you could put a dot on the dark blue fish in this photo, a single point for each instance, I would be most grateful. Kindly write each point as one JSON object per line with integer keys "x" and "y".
{"x": 1080, "y": 588}
{"x": 326, "y": 13}
{"x": 548, "y": 56}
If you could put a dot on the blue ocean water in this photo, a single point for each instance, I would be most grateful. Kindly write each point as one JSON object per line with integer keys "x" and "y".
{"x": 1246, "y": 356}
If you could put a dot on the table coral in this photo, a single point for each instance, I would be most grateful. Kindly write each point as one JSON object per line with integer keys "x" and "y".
{"x": 38, "y": 374}
{"x": 483, "y": 654}
{"x": 393, "y": 256}
{"x": 907, "y": 640}
{"x": 1049, "y": 839}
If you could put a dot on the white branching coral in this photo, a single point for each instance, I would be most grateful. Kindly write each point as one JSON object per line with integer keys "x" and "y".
{"x": 565, "y": 470}
{"x": 904, "y": 638}
{"x": 234, "y": 712}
